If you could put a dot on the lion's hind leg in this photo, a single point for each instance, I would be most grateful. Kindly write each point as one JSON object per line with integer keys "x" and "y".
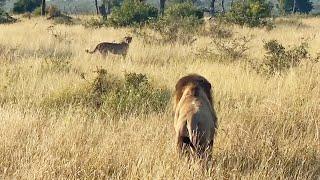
{"x": 183, "y": 142}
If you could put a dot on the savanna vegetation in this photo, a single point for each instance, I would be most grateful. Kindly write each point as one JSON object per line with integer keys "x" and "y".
{"x": 66, "y": 114}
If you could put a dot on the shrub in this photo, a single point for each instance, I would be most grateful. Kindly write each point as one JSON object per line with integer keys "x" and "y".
{"x": 37, "y": 11}
{"x": 63, "y": 19}
{"x": 179, "y": 23}
{"x": 102, "y": 85}
{"x": 231, "y": 48}
{"x": 132, "y": 12}
{"x": 182, "y": 10}
{"x": 94, "y": 23}
{"x": 107, "y": 94}
{"x": 278, "y": 60}
{"x": 224, "y": 46}
{"x": 218, "y": 29}
{"x": 136, "y": 95}
{"x": 22, "y": 6}
{"x": 177, "y": 29}
{"x": 252, "y": 13}
{"x": 223, "y": 49}
{"x": 6, "y": 18}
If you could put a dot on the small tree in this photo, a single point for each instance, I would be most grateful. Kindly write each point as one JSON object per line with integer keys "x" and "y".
{"x": 102, "y": 11}
{"x": 96, "y": 4}
{"x": 105, "y": 8}
{"x": 212, "y": 7}
{"x": 43, "y": 8}
{"x": 110, "y": 4}
{"x": 107, "y": 5}
{"x": 281, "y": 6}
{"x": 182, "y": 10}
{"x": 252, "y": 13}
{"x": 222, "y": 5}
{"x": 162, "y": 4}
{"x": 132, "y": 12}
{"x": 294, "y": 6}
{"x": 179, "y": 23}
{"x": 278, "y": 59}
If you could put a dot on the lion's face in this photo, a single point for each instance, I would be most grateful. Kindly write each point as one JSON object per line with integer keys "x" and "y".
{"x": 128, "y": 39}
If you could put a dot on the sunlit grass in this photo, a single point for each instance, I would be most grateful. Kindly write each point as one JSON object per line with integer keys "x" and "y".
{"x": 269, "y": 127}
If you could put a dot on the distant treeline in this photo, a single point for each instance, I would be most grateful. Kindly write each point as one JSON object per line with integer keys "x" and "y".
{"x": 88, "y": 6}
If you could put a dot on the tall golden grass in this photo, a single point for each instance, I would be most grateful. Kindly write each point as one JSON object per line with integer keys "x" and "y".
{"x": 269, "y": 127}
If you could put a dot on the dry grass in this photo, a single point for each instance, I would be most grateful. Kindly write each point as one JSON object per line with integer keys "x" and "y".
{"x": 269, "y": 128}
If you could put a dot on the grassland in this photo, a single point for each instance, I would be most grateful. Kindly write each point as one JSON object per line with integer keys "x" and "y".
{"x": 269, "y": 127}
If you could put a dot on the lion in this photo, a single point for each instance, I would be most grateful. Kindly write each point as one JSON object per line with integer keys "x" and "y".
{"x": 112, "y": 47}
{"x": 195, "y": 120}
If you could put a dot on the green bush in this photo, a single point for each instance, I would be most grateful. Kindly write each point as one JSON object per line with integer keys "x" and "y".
{"x": 94, "y": 23}
{"x": 278, "y": 59}
{"x": 232, "y": 48}
{"x": 22, "y": 6}
{"x": 136, "y": 95}
{"x": 182, "y": 10}
{"x": 218, "y": 29}
{"x": 177, "y": 29}
{"x": 6, "y": 18}
{"x": 108, "y": 94}
{"x": 179, "y": 23}
{"x": 252, "y": 13}
{"x": 37, "y": 11}
{"x": 63, "y": 19}
{"x": 132, "y": 12}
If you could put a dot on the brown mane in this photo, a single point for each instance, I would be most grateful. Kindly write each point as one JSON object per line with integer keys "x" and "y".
{"x": 197, "y": 81}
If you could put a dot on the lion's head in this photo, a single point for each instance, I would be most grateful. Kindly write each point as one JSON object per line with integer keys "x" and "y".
{"x": 195, "y": 80}
{"x": 128, "y": 39}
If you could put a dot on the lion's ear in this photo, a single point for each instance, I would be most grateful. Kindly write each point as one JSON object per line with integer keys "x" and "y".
{"x": 209, "y": 85}
{"x": 206, "y": 84}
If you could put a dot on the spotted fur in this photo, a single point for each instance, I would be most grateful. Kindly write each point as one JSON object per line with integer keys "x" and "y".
{"x": 105, "y": 48}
